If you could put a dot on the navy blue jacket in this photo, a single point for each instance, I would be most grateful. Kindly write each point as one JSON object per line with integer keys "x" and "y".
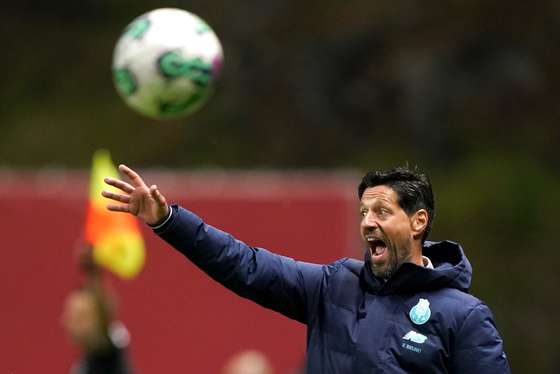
{"x": 419, "y": 321}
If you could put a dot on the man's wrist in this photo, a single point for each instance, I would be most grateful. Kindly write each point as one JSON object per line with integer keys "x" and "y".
{"x": 162, "y": 222}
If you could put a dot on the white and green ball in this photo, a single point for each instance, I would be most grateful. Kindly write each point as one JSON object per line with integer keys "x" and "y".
{"x": 166, "y": 62}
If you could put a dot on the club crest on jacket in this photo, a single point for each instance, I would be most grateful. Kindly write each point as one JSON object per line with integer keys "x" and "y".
{"x": 420, "y": 313}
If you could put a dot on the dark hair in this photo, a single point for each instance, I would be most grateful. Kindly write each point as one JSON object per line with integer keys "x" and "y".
{"x": 413, "y": 188}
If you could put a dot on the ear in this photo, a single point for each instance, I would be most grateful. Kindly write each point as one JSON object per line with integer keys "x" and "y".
{"x": 418, "y": 223}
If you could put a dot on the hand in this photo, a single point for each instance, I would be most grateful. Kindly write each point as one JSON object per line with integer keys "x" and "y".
{"x": 144, "y": 202}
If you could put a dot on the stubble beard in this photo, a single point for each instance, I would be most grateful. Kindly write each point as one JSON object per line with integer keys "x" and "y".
{"x": 393, "y": 263}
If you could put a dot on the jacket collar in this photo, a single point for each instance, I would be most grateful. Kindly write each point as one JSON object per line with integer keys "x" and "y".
{"x": 450, "y": 269}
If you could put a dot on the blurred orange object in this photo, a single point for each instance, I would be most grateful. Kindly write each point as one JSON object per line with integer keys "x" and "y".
{"x": 116, "y": 239}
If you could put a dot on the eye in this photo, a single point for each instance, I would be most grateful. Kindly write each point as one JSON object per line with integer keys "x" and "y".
{"x": 363, "y": 212}
{"x": 383, "y": 212}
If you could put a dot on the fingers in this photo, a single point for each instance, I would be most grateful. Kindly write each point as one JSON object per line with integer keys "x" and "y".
{"x": 118, "y": 208}
{"x": 121, "y": 185}
{"x": 116, "y": 196}
{"x": 136, "y": 180}
{"x": 157, "y": 196}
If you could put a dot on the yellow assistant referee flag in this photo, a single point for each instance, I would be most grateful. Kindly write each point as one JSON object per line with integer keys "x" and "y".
{"x": 115, "y": 237}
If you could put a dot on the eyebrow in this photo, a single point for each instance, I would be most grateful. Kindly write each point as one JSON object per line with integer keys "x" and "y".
{"x": 376, "y": 204}
{"x": 382, "y": 199}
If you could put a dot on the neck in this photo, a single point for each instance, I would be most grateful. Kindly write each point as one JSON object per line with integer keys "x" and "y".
{"x": 416, "y": 253}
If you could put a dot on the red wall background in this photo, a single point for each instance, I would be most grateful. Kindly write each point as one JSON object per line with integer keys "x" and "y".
{"x": 179, "y": 320}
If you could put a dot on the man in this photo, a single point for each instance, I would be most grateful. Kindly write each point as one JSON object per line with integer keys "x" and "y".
{"x": 88, "y": 318}
{"x": 405, "y": 309}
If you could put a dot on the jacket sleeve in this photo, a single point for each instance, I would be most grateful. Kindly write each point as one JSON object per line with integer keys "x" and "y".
{"x": 276, "y": 282}
{"x": 479, "y": 347}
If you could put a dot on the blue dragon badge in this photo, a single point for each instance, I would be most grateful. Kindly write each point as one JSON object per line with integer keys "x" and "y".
{"x": 420, "y": 313}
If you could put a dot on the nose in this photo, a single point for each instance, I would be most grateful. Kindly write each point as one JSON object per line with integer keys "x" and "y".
{"x": 369, "y": 221}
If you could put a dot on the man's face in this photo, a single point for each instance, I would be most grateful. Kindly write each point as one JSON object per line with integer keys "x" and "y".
{"x": 386, "y": 230}
{"x": 80, "y": 318}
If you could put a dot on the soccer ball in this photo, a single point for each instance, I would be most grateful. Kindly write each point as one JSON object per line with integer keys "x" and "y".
{"x": 165, "y": 63}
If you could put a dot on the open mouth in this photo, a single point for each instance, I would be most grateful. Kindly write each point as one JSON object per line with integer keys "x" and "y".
{"x": 377, "y": 247}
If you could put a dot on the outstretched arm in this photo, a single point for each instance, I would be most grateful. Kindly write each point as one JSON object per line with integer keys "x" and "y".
{"x": 276, "y": 282}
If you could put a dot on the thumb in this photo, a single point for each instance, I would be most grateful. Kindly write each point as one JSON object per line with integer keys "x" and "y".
{"x": 157, "y": 196}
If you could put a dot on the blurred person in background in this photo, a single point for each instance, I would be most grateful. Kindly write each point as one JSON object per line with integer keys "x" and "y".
{"x": 88, "y": 319}
{"x": 405, "y": 308}
{"x": 248, "y": 362}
